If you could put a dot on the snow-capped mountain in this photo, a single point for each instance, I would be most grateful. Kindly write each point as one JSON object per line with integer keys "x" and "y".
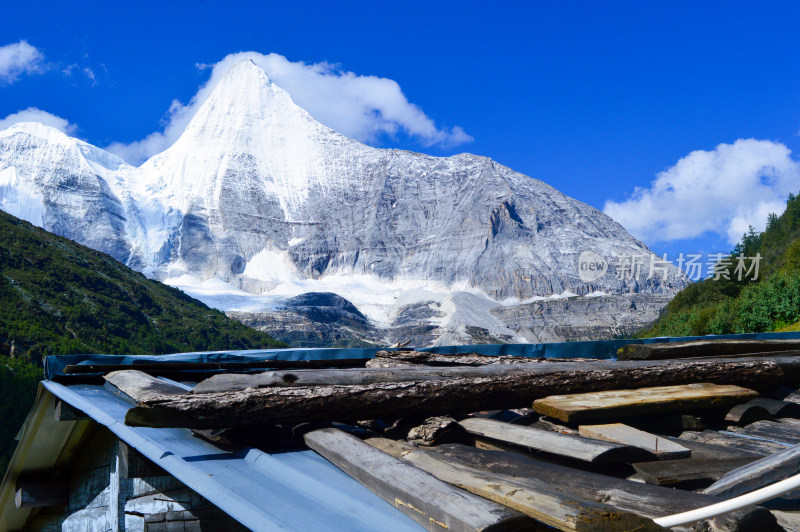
{"x": 257, "y": 202}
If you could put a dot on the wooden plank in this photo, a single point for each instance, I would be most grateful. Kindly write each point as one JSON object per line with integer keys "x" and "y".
{"x": 662, "y": 448}
{"x": 64, "y": 412}
{"x": 140, "y": 386}
{"x": 40, "y": 492}
{"x": 583, "y": 407}
{"x": 758, "y": 474}
{"x": 407, "y": 358}
{"x": 530, "y": 496}
{"x": 771, "y": 430}
{"x": 669, "y": 472}
{"x": 642, "y": 499}
{"x": 698, "y": 348}
{"x": 430, "y": 502}
{"x": 431, "y": 398}
{"x": 568, "y": 445}
{"x": 714, "y": 451}
{"x": 736, "y": 441}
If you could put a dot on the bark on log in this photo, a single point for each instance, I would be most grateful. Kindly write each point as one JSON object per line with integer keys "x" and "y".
{"x": 700, "y": 348}
{"x": 432, "y": 398}
{"x": 402, "y": 359}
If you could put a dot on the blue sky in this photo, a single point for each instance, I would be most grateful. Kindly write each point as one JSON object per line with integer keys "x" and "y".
{"x": 594, "y": 98}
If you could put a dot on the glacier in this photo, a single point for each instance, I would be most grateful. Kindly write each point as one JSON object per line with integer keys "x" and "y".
{"x": 257, "y": 203}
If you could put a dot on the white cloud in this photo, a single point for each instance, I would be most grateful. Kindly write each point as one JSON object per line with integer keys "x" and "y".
{"x": 19, "y": 58}
{"x": 32, "y": 114}
{"x": 360, "y": 107}
{"x": 720, "y": 191}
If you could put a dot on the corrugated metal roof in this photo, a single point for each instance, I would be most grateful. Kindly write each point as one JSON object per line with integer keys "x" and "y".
{"x": 285, "y": 491}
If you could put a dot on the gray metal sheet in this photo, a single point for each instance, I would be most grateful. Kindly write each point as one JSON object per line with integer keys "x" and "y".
{"x": 284, "y": 491}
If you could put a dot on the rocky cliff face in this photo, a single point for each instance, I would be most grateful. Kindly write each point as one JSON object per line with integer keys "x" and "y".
{"x": 257, "y": 202}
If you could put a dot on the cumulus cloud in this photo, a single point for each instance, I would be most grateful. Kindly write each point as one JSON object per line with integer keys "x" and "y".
{"x": 32, "y": 114}
{"x": 19, "y": 58}
{"x": 721, "y": 191}
{"x": 360, "y": 107}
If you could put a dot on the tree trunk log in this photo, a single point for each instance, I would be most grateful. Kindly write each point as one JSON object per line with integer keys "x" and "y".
{"x": 704, "y": 348}
{"x": 437, "y": 397}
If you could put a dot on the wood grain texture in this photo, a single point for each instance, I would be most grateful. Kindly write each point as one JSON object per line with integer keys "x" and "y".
{"x": 757, "y": 474}
{"x": 140, "y": 386}
{"x": 530, "y": 496}
{"x": 699, "y": 348}
{"x": 604, "y": 405}
{"x": 669, "y": 472}
{"x": 434, "y": 504}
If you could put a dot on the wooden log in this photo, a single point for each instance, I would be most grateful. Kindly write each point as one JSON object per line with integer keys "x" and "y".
{"x": 662, "y": 448}
{"x": 231, "y": 382}
{"x": 430, "y": 502}
{"x": 642, "y": 499}
{"x": 670, "y": 472}
{"x": 698, "y": 348}
{"x": 40, "y": 492}
{"x": 530, "y": 496}
{"x": 395, "y": 359}
{"x": 735, "y": 441}
{"x": 757, "y": 474}
{"x": 568, "y": 445}
{"x": 431, "y": 398}
{"x": 771, "y": 431}
{"x": 65, "y": 412}
{"x": 746, "y": 413}
{"x": 140, "y": 386}
{"x": 603, "y": 405}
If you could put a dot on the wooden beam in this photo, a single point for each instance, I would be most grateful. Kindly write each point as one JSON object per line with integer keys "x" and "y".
{"x": 571, "y": 446}
{"x": 642, "y": 499}
{"x": 703, "y": 348}
{"x": 662, "y": 448}
{"x": 603, "y": 405}
{"x": 421, "y": 399}
{"x": 714, "y": 451}
{"x": 406, "y": 358}
{"x": 432, "y": 503}
{"x": 40, "y": 492}
{"x": 530, "y": 496}
{"x": 65, "y": 412}
{"x": 670, "y": 472}
{"x": 757, "y": 474}
{"x": 140, "y": 386}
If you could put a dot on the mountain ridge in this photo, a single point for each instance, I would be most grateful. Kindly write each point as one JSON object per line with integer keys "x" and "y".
{"x": 257, "y": 194}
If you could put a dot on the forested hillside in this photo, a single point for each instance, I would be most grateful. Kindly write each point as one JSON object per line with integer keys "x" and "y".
{"x": 729, "y": 305}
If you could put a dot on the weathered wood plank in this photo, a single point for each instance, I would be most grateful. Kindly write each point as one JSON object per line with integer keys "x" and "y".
{"x": 698, "y": 348}
{"x": 431, "y": 398}
{"x": 140, "y": 386}
{"x": 158, "y": 367}
{"x": 428, "y": 501}
{"x": 603, "y": 405}
{"x": 669, "y": 472}
{"x": 662, "y": 448}
{"x": 530, "y": 496}
{"x": 758, "y": 474}
{"x": 736, "y": 441}
{"x": 40, "y": 492}
{"x": 568, "y": 445}
{"x": 642, "y": 499}
{"x": 771, "y": 430}
{"x": 714, "y": 451}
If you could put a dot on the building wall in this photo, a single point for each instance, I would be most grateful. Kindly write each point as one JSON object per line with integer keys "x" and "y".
{"x": 113, "y": 488}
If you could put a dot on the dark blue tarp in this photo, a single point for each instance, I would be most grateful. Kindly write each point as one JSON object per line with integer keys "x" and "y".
{"x": 54, "y": 365}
